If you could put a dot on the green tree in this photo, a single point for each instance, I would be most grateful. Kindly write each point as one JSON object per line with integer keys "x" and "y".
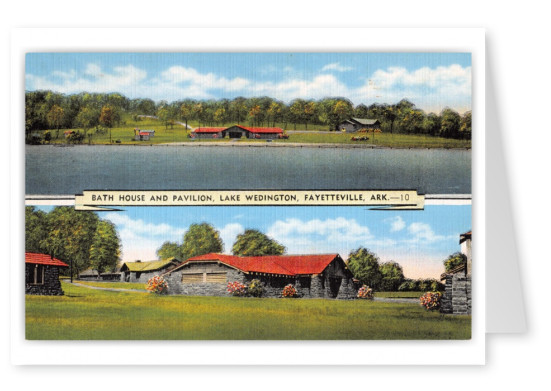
{"x": 109, "y": 116}
{"x": 255, "y": 243}
{"x": 309, "y": 112}
{"x": 55, "y": 118}
{"x": 342, "y": 110}
{"x": 392, "y": 276}
{"x": 201, "y": 239}
{"x": 105, "y": 248}
{"x": 169, "y": 250}
{"x": 450, "y": 123}
{"x": 254, "y": 113}
{"x": 454, "y": 260}
{"x": 364, "y": 265}
{"x": 297, "y": 111}
{"x": 70, "y": 235}
{"x": 186, "y": 111}
{"x": 465, "y": 126}
{"x": 274, "y": 111}
{"x": 36, "y": 230}
{"x": 87, "y": 118}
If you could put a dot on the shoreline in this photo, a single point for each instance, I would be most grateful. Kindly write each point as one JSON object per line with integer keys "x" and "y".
{"x": 260, "y": 145}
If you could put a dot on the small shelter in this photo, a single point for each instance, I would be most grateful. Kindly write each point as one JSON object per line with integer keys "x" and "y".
{"x": 139, "y": 271}
{"x": 352, "y": 124}
{"x": 42, "y": 274}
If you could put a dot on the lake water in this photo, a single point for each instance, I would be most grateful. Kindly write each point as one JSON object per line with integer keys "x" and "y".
{"x": 70, "y": 170}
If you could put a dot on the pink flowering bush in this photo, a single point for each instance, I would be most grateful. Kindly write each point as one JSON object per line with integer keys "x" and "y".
{"x": 237, "y": 289}
{"x": 431, "y": 300}
{"x": 157, "y": 285}
{"x": 289, "y": 291}
{"x": 365, "y": 292}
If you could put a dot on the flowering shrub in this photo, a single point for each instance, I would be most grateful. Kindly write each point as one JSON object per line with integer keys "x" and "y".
{"x": 157, "y": 285}
{"x": 237, "y": 289}
{"x": 255, "y": 288}
{"x": 289, "y": 291}
{"x": 365, "y": 292}
{"x": 431, "y": 300}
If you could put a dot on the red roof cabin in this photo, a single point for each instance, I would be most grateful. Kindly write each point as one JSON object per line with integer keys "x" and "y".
{"x": 314, "y": 276}
{"x": 42, "y": 274}
{"x": 238, "y": 131}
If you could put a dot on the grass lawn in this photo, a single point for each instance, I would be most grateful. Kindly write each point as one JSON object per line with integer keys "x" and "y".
{"x": 125, "y": 133}
{"x": 85, "y": 313}
{"x": 399, "y": 295}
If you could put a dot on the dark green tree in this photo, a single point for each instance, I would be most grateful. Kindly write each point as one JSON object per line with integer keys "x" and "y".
{"x": 201, "y": 239}
{"x": 392, "y": 276}
{"x": 364, "y": 265}
{"x": 70, "y": 236}
{"x": 36, "y": 230}
{"x": 454, "y": 260}
{"x": 169, "y": 250}
{"x": 255, "y": 243}
{"x": 105, "y": 248}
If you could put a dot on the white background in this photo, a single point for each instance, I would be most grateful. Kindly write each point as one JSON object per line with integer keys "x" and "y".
{"x": 517, "y": 51}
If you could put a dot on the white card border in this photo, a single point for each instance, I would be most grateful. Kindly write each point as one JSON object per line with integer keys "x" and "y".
{"x": 24, "y": 352}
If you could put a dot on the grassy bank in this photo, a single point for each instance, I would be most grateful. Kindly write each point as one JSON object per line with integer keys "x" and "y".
{"x": 85, "y": 313}
{"x": 178, "y": 134}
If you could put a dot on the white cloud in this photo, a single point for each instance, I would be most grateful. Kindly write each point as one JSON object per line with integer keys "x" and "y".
{"x": 229, "y": 233}
{"x": 320, "y": 236}
{"x": 431, "y": 89}
{"x": 423, "y": 232}
{"x": 396, "y": 224}
{"x": 335, "y": 66}
{"x": 140, "y": 240}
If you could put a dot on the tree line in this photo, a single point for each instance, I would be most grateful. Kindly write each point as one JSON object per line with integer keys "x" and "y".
{"x": 47, "y": 110}
{"x": 79, "y": 238}
{"x": 203, "y": 238}
{"x": 365, "y": 265}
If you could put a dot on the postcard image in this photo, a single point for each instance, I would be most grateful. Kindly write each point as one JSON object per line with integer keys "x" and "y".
{"x": 248, "y": 196}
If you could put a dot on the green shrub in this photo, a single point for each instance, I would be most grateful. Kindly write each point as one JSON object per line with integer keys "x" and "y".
{"x": 255, "y": 288}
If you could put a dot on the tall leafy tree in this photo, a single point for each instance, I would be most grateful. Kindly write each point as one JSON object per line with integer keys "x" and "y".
{"x": 36, "y": 229}
{"x": 70, "y": 235}
{"x": 109, "y": 116}
{"x": 450, "y": 123}
{"x": 105, "y": 248}
{"x": 201, "y": 239}
{"x": 364, "y": 265}
{"x": 55, "y": 118}
{"x": 169, "y": 250}
{"x": 255, "y": 243}
{"x": 392, "y": 276}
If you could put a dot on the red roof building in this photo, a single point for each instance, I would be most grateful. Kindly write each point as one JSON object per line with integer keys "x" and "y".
{"x": 238, "y": 131}
{"x": 42, "y": 274}
{"x": 43, "y": 259}
{"x": 314, "y": 276}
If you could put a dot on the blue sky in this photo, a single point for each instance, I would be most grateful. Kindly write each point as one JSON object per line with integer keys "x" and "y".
{"x": 418, "y": 240}
{"x": 431, "y": 80}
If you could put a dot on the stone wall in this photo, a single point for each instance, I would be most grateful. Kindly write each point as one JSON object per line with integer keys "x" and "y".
{"x": 457, "y": 297}
{"x": 51, "y": 285}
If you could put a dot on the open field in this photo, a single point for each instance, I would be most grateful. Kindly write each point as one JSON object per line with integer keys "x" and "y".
{"x": 125, "y": 133}
{"x": 85, "y": 313}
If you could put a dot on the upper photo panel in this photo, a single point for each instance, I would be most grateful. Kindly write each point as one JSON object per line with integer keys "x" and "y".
{"x": 229, "y": 121}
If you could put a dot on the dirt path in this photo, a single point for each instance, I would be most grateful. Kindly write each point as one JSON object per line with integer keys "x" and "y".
{"x": 106, "y": 289}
